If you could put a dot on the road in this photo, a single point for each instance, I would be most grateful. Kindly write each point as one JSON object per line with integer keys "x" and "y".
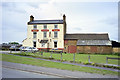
{"x": 53, "y": 72}
{"x": 12, "y": 73}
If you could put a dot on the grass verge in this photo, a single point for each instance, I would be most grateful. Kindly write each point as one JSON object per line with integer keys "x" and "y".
{"x": 37, "y": 62}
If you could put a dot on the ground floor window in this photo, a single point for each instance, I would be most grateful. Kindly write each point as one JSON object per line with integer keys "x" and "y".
{"x": 42, "y": 44}
{"x": 55, "y": 44}
{"x": 34, "y": 44}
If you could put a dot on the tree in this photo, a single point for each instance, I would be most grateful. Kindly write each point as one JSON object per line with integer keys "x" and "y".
{"x": 13, "y": 43}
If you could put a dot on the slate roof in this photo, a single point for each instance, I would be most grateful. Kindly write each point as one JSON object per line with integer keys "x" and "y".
{"x": 88, "y": 36}
{"x": 43, "y": 41}
{"x": 94, "y": 42}
{"x": 46, "y": 22}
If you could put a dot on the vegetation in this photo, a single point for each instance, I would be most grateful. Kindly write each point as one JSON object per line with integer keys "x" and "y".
{"x": 37, "y": 62}
{"x": 13, "y": 43}
{"x": 80, "y": 58}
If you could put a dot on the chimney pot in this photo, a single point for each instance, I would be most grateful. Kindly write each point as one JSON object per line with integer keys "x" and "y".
{"x": 31, "y": 18}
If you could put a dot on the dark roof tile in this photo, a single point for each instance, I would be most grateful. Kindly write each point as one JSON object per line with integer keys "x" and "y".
{"x": 88, "y": 36}
{"x": 46, "y": 22}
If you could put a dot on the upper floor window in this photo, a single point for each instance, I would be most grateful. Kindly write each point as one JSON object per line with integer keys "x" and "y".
{"x": 55, "y": 34}
{"x": 55, "y": 26}
{"x": 34, "y": 34}
{"x": 45, "y": 34}
{"x": 35, "y": 26}
{"x": 45, "y": 26}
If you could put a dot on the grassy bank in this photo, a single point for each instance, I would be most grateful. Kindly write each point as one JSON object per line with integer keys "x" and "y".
{"x": 95, "y": 58}
{"x": 37, "y": 62}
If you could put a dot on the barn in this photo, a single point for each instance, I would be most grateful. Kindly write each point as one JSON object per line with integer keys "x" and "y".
{"x": 87, "y": 43}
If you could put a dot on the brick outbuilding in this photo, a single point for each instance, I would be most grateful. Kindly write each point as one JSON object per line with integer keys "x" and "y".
{"x": 87, "y": 43}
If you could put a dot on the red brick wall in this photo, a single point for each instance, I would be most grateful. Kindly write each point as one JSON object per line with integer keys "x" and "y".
{"x": 94, "y": 49}
{"x": 72, "y": 49}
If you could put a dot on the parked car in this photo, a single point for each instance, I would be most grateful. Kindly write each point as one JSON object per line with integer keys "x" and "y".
{"x": 22, "y": 48}
{"x": 30, "y": 49}
{"x": 14, "y": 48}
{"x": 56, "y": 50}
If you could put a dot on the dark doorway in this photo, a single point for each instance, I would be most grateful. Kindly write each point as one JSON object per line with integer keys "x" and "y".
{"x": 55, "y": 44}
{"x": 34, "y": 44}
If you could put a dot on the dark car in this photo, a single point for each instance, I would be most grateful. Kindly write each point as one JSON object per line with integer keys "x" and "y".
{"x": 14, "y": 48}
{"x": 56, "y": 50}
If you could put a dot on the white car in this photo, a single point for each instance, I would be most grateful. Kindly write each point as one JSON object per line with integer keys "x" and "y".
{"x": 22, "y": 48}
{"x": 30, "y": 49}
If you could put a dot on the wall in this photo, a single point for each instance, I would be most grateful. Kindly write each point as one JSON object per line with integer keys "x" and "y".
{"x": 116, "y": 50}
{"x": 94, "y": 49}
{"x": 69, "y": 43}
{"x": 59, "y": 39}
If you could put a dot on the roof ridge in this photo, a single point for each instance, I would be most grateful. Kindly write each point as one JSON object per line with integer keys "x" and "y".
{"x": 48, "y": 20}
{"x": 86, "y": 33}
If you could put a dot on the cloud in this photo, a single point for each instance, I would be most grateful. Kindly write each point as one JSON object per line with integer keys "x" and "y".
{"x": 13, "y": 7}
{"x": 81, "y": 17}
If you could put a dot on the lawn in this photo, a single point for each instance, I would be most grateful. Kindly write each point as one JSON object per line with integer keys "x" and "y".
{"x": 95, "y": 58}
{"x": 37, "y": 62}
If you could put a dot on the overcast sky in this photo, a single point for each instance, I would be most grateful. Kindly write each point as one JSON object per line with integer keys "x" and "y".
{"x": 82, "y": 17}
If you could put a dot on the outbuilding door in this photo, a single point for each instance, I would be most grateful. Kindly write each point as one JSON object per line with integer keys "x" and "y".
{"x": 72, "y": 49}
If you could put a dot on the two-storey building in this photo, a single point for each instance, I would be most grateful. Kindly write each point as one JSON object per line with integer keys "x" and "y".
{"x": 45, "y": 34}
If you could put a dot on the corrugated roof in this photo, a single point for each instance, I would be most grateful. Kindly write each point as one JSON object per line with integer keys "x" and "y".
{"x": 46, "y": 22}
{"x": 94, "y": 42}
{"x": 88, "y": 36}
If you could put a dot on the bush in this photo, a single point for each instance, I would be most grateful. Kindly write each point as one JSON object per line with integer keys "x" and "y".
{"x": 93, "y": 64}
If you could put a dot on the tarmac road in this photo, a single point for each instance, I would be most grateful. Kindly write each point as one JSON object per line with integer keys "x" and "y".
{"x": 13, "y": 73}
{"x": 51, "y": 71}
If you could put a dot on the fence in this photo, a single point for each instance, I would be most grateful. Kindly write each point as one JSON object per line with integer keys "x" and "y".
{"x": 87, "y": 58}
{"x": 111, "y": 58}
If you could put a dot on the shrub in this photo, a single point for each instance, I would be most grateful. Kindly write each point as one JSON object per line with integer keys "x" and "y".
{"x": 93, "y": 64}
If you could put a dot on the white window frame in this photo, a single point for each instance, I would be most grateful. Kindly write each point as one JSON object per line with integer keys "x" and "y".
{"x": 34, "y": 35}
{"x": 34, "y": 26}
{"x": 55, "y": 26}
{"x": 45, "y": 26}
{"x": 34, "y": 45}
{"x": 56, "y": 44}
{"x": 55, "y": 34}
{"x": 42, "y": 44}
{"x": 45, "y": 34}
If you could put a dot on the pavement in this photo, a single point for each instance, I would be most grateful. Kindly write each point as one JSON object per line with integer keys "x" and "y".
{"x": 53, "y": 71}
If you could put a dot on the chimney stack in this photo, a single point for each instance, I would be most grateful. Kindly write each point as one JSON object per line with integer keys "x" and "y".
{"x": 64, "y": 24}
{"x": 64, "y": 18}
{"x": 31, "y": 18}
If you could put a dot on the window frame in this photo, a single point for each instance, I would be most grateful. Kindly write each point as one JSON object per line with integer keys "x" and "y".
{"x": 55, "y": 35}
{"x": 34, "y": 43}
{"x": 55, "y": 45}
{"x": 34, "y": 26}
{"x": 55, "y": 26}
{"x": 42, "y": 44}
{"x": 45, "y": 34}
{"x": 45, "y": 26}
{"x": 34, "y": 35}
